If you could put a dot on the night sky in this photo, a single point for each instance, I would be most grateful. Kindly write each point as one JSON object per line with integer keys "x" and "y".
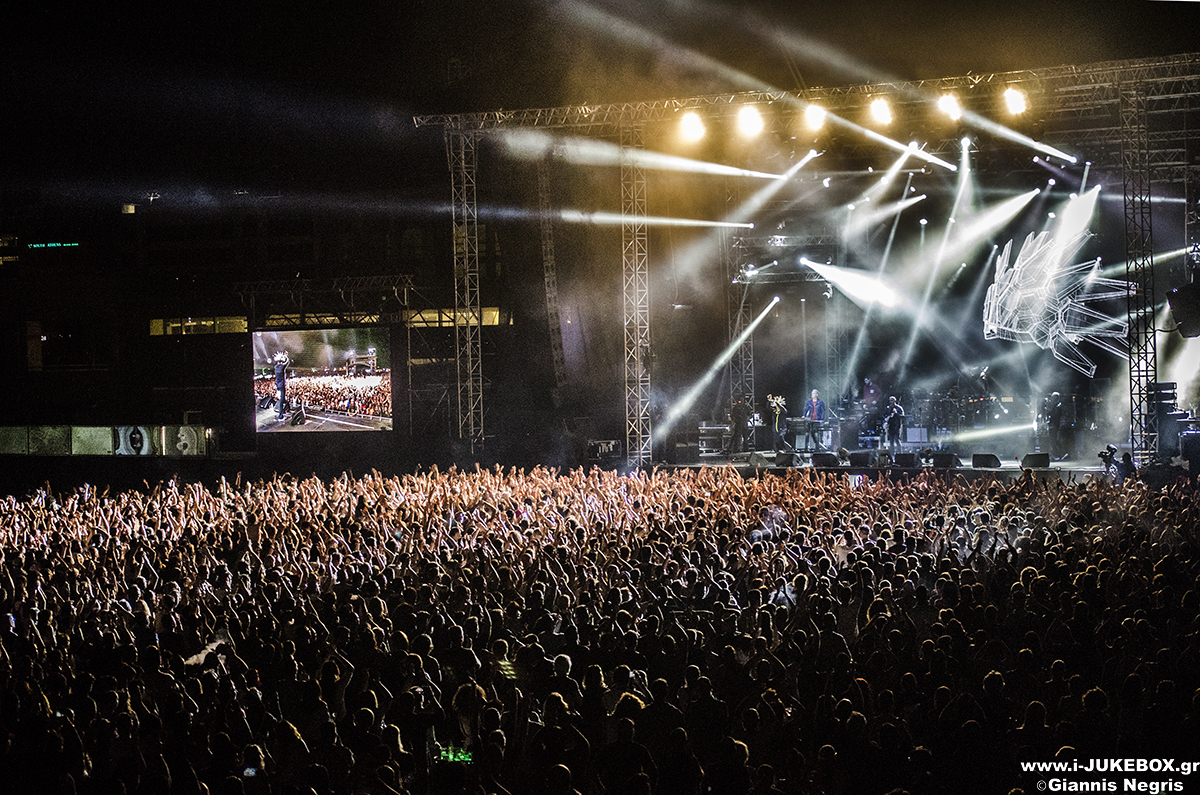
{"x": 319, "y": 96}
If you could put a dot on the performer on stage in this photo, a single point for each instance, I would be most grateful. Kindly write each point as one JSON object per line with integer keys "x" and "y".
{"x": 778, "y": 407}
{"x": 739, "y": 416}
{"x": 893, "y": 418}
{"x": 814, "y": 413}
{"x": 281, "y": 365}
{"x": 1059, "y": 427}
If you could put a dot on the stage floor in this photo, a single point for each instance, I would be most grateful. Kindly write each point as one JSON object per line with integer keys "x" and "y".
{"x": 756, "y": 462}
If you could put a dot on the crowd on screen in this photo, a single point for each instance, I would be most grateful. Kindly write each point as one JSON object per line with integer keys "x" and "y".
{"x": 588, "y": 632}
{"x": 370, "y": 396}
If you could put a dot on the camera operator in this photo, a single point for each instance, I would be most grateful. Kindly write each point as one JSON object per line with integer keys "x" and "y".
{"x": 1108, "y": 456}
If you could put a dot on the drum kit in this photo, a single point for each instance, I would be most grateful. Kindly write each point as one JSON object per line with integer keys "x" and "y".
{"x": 942, "y": 413}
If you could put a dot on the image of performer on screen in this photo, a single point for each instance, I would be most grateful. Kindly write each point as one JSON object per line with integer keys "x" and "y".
{"x": 281, "y": 365}
{"x": 893, "y": 420}
{"x": 814, "y": 415}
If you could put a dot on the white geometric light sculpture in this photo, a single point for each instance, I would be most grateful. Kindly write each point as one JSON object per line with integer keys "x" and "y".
{"x": 1042, "y": 300}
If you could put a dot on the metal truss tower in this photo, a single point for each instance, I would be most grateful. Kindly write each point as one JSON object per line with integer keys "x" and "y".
{"x": 635, "y": 270}
{"x": 1139, "y": 272}
{"x": 461, "y": 154}
{"x": 741, "y": 364}
{"x": 550, "y": 272}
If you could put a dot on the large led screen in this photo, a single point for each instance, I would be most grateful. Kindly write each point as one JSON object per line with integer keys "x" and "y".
{"x": 327, "y": 379}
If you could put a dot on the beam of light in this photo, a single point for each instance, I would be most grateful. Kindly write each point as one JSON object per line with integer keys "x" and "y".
{"x": 861, "y": 287}
{"x": 1077, "y": 215}
{"x": 879, "y": 138}
{"x": 685, "y": 403}
{"x": 982, "y": 280}
{"x": 526, "y": 144}
{"x": 691, "y": 128}
{"x": 767, "y": 192}
{"x": 922, "y": 310}
{"x": 875, "y": 191}
{"x": 1058, "y": 172}
{"x": 860, "y": 338}
{"x": 625, "y": 32}
{"x": 869, "y": 217}
{"x": 972, "y": 233}
{"x": 967, "y": 201}
{"x": 1118, "y": 269}
{"x": 202, "y": 198}
{"x": 749, "y": 121}
{"x": 1179, "y": 358}
{"x": 1000, "y": 131}
{"x": 622, "y": 30}
{"x": 989, "y": 433}
{"x": 1119, "y": 197}
{"x": 1015, "y": 100}
{"x": 708, "y": 245}
{"x": 610, "y": 218}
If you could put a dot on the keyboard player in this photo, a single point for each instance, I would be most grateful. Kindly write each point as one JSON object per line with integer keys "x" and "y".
{"x": 814, "y": 415}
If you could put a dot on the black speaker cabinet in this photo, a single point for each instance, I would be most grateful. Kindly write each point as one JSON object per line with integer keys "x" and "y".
{"x": 827, "y": 459}
{"x": 864, "y": 458}
{"x": 906, "y": 460}
{"x": 945, "y": 461}
{"x": 687, "y": 453}
{"x": 985, "y": 461}
{"x": 1185, "y": 309}
{"x": 1035, "y": 461}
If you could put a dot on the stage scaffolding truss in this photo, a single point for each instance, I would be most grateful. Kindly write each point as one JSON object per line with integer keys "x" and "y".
{"x": 1129, "y": 114}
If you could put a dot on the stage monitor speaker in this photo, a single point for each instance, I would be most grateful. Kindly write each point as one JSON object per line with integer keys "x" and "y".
{"x": 1189, "y": 448}
{"x": 687, "y": 452}
{"x": 946, "y": 461}
{"x": 985, "y": 461}
{"x": 906, "y": 460}
{"x": 298, "y": 418}
{"x": 1035, "y": 461}
{"x": 827, "y": 459}
{"x": 785, "y": 459}
{"x": 758, "y": 459}
{"x": 1185, "y": 309}
{"x": 864, "y": 458}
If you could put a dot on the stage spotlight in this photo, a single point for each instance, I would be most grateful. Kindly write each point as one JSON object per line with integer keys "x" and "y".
{"x": 948, "y": 104}
{"x": 1014, "y": 99}
{"x": 924, "y": 221}
{"x": 691, "y": 128}
{"x": 1052, "y": 182}
{"x": 814, "y": 117}
{"x": 966, "y": 142}
{"x": 881, "y": 111}
{"x": 750, "y": 122}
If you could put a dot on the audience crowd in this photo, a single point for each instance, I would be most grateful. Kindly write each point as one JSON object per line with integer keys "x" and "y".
{"x": 369, "y": 395}
{"x": 588, "y": 632}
